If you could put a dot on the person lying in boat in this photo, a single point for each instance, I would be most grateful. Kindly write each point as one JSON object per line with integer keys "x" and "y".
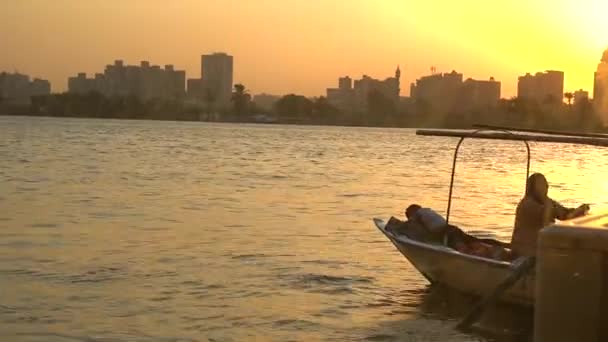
{"x": 411, "y": 229}
{"x": 536, "y": 211}
{"x": 430, "y": 219}
{"x": 442, "y": 232}
{"x": 422, "y": 224}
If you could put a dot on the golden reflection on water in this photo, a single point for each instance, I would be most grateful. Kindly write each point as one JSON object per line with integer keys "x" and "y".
{"x": 159, "y": 230}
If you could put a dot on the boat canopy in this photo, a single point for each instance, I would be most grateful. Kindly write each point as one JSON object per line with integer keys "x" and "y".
{"x": 514, "y": 134}
{"x": 500, "y": 134}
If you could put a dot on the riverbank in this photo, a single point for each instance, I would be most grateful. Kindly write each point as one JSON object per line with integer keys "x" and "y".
{"x": 176, "y": 111}
{"x": 294, "y": 121}
{"x": 507, "y": 113}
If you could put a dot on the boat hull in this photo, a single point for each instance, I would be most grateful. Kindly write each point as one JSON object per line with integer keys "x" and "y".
{"x": 462, "y": 272}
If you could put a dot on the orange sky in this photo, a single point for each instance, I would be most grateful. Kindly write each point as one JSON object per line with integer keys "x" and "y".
{"x": 303, "y": 46}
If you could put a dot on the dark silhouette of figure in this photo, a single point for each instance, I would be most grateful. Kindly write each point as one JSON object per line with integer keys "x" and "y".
{"x": 536, "y": 211}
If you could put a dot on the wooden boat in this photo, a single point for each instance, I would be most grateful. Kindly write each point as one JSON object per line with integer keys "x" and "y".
{"x": 462, "y": 272}
{"x": 468, "y": 273}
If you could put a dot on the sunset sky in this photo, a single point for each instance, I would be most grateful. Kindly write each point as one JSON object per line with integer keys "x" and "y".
{"x": 303, "y": 46}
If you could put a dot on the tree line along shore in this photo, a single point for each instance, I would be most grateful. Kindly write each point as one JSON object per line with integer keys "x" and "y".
{"x": 297, "y": 109}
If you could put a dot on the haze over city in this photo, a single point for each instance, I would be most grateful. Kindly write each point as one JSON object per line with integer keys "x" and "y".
{"x": 303, "y": 46}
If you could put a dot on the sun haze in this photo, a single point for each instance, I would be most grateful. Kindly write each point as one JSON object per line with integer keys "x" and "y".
{"x": 303, "y": 46}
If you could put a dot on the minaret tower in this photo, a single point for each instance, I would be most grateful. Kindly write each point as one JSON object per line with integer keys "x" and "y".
{"x": 398, "y": 76}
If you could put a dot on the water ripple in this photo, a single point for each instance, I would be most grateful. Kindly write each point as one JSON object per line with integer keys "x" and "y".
{"x": 233, "y": 232}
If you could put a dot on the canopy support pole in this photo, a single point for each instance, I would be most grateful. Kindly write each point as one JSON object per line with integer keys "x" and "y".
{"x": 472, "y": 135}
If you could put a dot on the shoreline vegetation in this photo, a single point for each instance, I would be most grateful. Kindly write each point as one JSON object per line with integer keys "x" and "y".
{"x": 300, "y": 110}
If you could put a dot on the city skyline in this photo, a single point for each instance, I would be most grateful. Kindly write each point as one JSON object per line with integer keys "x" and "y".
{"x": 220, "y": 73}
{"x": 361, "y": 38}
{"x": 404, "y": 91}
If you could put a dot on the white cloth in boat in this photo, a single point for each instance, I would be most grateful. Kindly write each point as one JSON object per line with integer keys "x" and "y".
{"x": 431, "y": 220}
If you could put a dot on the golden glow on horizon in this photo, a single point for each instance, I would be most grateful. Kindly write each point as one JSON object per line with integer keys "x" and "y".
{"x": 303, "y": 46}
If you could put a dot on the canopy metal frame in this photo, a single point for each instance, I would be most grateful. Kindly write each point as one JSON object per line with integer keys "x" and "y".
{"x": 508, "y": 133}
{"x": 473, "y": 134}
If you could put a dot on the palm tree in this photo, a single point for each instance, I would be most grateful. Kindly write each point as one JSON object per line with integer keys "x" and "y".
{"x": 240, "y": 99}
{"x": 569, "y": 96}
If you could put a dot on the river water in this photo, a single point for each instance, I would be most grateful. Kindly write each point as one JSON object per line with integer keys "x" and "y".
{"x": 165, "y": 231}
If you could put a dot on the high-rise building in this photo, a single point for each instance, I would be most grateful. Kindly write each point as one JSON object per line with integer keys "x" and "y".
{"x": 144, "y": 81}
{"x": 600, "y": 89}
{"x": 438, "y": 93}
{"x": 196, "y": 91}
{"x": 543, "y": 87}
{"x": 478, "y": 94}
{"x": 580, "y": 96}
{"x": 80, "y": 84}
{"x": 175, "y": 81}
{"x": 390, "y": 88}
{"x": 349, "y": 97}
{"x": 343, "y": 96}
{"x": 18, "y": 89}
{"x": 217, "y": 77}
{"x": 116, "y": 78}
{"x": 40, "y": 87}
{"x": 447, "y": 93}
{"x": 345, "y": 83}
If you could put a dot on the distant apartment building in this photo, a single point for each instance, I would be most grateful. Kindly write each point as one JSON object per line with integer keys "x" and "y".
{"x": 438, "y": 92}
{"x": 217, "y": 74}
{"x": 543, "y": 87}
{"x": 343, "y": 96}
{"x": 80, "y": 84}
{"x": 446, "y": 93}
{"x": 195, "y": 89}
{"x": 265, "y": 101}
{"x": 389, "y": 87}
{"x": 354, "y": 95}
{"x": 215, "y": 84}
{"x": 580, "y": 96}
{"x": 600, "y": 89}
{"x": 480, "y": 94}
{"x": 144, "y": 81}
{"x": 17, "y": 88}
